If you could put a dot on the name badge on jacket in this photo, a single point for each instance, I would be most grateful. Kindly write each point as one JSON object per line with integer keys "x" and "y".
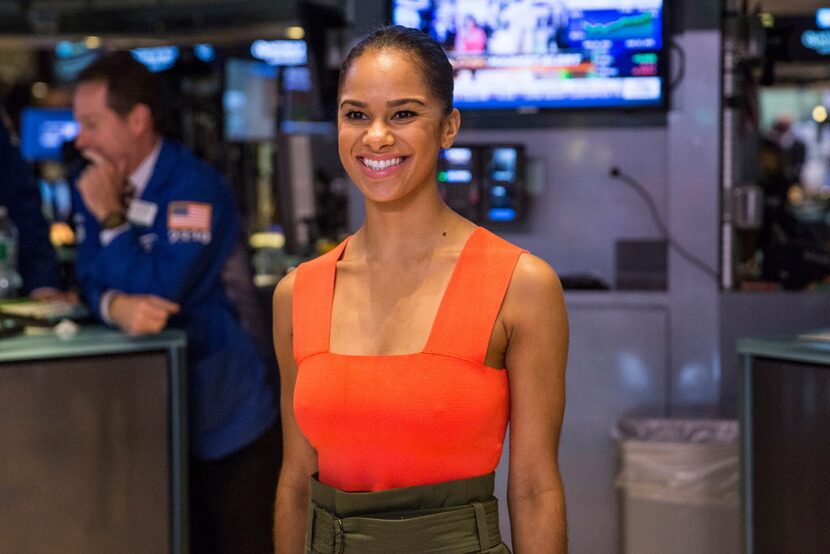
{"x": 142, "y": 213}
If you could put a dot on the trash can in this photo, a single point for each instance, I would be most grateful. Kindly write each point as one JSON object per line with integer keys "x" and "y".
{"x": 679, "y": 482}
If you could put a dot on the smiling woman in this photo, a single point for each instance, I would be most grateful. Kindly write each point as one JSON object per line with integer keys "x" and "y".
{"x": 405, "y": 351}
{"x": 391, "y": 126}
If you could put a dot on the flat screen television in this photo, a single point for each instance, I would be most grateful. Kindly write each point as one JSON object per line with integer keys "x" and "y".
{"x": 43, "y": 131}
{"x": 528, "y": 54}
{"x": 250, "y": 100}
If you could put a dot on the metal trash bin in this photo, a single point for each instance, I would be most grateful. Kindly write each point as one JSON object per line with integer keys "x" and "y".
{"x": 679, "y": 483}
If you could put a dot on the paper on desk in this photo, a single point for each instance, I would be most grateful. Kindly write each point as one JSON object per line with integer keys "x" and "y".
{"x": 816, "y": 336}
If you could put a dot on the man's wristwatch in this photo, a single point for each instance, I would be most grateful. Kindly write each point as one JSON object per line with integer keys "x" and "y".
{"x": 113, "y": 220}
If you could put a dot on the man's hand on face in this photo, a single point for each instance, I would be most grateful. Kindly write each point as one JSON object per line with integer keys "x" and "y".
{"x": 100, "y": 186}
{"x": 141, "y": 314}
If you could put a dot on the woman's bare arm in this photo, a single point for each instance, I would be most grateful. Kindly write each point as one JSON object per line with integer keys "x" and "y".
{"x": 536, "y": 322}
{"x": 299, "y": 459}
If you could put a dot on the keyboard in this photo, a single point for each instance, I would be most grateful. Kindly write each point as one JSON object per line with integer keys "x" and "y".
{"x": 43, "y": 311}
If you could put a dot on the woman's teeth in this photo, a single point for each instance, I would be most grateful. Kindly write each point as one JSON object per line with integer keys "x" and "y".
{"x": 378, "y": 165}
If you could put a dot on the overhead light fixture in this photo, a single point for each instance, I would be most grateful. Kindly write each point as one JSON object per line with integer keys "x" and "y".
{"x": 295, "y": 33}
{"x": 205, "y": 52}
{"x": 159, "y": 58}
{"x": 280, "y": 52}
{"x": 820, "y": 114}
{"x": 40, "y": 90}
{"x": 92, "y": 42}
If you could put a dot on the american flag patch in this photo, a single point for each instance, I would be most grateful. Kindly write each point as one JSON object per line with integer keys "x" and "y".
{"x": 191, "y": 216}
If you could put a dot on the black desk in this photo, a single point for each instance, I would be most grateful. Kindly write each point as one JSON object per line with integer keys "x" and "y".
{"x": 92, "y": 443}
{"x": 785, "y": 446}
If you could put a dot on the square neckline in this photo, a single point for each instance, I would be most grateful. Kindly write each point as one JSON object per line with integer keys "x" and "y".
{"x": 454, "y": 276}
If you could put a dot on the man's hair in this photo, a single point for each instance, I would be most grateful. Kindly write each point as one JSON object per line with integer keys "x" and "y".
{"x": 128, "y": 83}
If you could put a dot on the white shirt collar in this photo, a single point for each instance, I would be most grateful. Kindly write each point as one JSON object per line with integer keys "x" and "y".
{"x": 141, "y": 176}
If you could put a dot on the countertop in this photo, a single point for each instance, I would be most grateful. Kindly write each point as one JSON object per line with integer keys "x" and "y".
{"x": 809, "y": 348}
{"x": 90, "y": 339}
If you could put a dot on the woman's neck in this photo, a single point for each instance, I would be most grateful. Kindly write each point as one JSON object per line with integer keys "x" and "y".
{"x": 415, "y": 230}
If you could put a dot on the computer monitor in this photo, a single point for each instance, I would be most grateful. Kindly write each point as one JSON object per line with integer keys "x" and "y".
{"x": 458, "y": 181}
{"x": 43, "y": 131}
{"x": 503, "y": 184}
{"x": 250, "y": 100}
{"x": 484, "y": 182}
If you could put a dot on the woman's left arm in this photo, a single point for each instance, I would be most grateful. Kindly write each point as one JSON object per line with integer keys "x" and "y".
{"x": 536, "y": 323}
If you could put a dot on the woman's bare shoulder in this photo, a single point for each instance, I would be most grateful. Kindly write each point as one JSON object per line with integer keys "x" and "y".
{"x": 534, "y": 294}
{"x": 533, "y": 276}
{"x": 285, "y": 290}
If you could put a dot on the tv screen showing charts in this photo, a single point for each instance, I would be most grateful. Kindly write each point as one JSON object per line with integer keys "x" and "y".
{"x": 514, "y": 54}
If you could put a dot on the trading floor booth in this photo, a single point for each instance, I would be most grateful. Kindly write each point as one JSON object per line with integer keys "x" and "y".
{"x": 93, "y": 455}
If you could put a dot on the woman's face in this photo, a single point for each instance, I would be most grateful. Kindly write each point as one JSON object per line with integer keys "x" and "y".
{"x": 390, "y": 126}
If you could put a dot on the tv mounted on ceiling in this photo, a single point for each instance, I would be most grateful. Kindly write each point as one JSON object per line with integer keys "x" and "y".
{"x": 531, "y": 54}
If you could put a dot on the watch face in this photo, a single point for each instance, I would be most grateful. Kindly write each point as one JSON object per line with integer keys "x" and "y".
{"x": 113, "y": 220}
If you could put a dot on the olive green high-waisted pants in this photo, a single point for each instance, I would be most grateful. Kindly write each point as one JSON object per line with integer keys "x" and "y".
{"x": 455, "y": 517}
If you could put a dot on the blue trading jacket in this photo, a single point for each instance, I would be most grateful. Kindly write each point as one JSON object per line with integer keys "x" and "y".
{"x": 18, "y": 192}
{"x": 179, "y": 257}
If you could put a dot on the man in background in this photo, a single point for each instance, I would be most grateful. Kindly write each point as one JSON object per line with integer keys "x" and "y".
{"x": 160, "y": 246}
{"x": 793, "y": 149}
{"x": 19, "y": 194}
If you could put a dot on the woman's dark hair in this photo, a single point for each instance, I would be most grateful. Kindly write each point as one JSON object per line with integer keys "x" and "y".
{"x": 129, "y": 83}
{"x": 428, "y": 55}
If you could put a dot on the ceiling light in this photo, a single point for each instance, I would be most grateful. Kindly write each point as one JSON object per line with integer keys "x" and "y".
{"x": 40, "y": 90}
{"x": 295, "y": 33}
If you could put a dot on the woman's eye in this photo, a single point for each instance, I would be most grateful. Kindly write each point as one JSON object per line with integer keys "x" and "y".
{"x": 404, "y": 114}
{"x": 353, "y": 115}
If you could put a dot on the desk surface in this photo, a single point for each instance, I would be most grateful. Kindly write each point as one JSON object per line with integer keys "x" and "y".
{"x": 785, "y": 445}
{"x": 98, "y": 455}
{"x": 90, "y": 340}
{"x": 792, "y": 349}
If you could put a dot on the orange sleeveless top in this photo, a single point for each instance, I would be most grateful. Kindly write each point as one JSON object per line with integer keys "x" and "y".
{"x": 383, "y": 422}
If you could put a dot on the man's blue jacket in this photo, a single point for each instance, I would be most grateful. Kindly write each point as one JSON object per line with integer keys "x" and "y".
{"x": 179, "y": 254}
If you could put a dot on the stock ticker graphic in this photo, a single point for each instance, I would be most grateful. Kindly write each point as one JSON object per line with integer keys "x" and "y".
{"x": 640, "y": 25}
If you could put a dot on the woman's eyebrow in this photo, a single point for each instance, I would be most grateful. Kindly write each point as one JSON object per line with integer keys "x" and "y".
{"x": 354, "y": 103}
{"x": 391, "y": 103}
{"x": 402, "y": 101}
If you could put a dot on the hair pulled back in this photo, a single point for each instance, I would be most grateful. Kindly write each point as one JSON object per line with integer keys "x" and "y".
{"x": 436, "y": 69}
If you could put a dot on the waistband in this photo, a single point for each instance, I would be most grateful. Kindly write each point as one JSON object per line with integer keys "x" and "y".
{"x": 451, "y": 517}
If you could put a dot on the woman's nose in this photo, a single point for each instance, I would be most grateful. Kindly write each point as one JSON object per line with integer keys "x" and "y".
{"x": 378, "y": 135}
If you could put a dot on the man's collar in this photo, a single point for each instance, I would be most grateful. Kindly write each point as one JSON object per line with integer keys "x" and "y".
{"x": 141, "y": 176}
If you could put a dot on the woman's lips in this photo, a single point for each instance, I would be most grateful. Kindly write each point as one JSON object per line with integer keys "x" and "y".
{"x": 379, "y": 168}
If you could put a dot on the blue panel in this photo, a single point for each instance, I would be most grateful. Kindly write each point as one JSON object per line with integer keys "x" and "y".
{"x": 43, "y": 132}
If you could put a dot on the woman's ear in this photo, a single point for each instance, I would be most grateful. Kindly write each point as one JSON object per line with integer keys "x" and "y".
{"x": 452, "y": 124}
